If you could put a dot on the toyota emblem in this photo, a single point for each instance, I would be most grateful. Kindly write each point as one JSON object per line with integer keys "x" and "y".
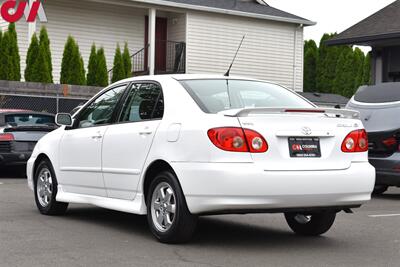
{"x": 306, "y": 131}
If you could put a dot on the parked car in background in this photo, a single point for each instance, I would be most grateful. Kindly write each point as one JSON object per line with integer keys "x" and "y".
{"x": 379, "y": 106}
{"x": 175, "y": 147}
{"x": 326, "y": 100}
{"x": 19, "y": 132}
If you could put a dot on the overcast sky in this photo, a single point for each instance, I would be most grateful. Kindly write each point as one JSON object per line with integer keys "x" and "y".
{"x": 331, "y": 16}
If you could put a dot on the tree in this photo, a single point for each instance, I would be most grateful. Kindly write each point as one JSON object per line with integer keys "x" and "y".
{"x": 72, "y": 68}
{"x": 41, "y": 71}
{"x": 92, "y": 67}
{"x": 31, "y": 59}
{"x": 310, "y": 65}
{"x": 45, "y": 45}
{"x": 366, "y": 80}
{"x": 14, "y": 67}
{"x": 119, "y": 72}
{"x": 126, "y": 58}
{"x": 326, "y": 65}
{"x": 359, "y": 58}
{"x": 4, "y": 56}
{"x": 345, "y": 73}
{"x": 101, "y": 72}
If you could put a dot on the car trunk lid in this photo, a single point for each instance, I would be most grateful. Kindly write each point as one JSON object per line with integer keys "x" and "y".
{"x": 310, "y": 127}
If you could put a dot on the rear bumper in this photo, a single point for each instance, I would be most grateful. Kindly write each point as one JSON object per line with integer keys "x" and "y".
{"x": 14, "y": 158}
{"x": 235, "y": 187}
{"x": 387, "y": 170}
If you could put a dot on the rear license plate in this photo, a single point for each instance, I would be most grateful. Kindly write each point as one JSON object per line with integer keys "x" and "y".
{"x": 304, "y": 147}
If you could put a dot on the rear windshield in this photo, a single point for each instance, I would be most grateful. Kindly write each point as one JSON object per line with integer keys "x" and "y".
{"x": 381, "y": 93}
{"x": 216, "y": 95}
{"x": 29, "y": 119}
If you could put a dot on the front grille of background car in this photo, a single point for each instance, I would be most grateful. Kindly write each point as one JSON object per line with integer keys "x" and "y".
{"x": 5, "y": 147}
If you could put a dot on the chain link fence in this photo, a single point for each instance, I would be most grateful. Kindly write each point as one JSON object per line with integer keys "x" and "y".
{"x": 50, "y": 104}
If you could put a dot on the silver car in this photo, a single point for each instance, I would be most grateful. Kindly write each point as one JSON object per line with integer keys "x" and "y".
{"x": 379, "y": 106}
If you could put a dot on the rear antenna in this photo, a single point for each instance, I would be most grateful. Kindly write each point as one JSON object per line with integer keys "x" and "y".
{"x": 234, "y": 58}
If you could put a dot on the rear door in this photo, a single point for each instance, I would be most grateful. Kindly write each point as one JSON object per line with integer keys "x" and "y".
{"x": 80, "y": 147}
{"x": 127, "y": 143}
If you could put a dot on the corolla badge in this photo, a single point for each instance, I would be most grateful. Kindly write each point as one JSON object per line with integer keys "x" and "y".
{"x": 306, "y": 130}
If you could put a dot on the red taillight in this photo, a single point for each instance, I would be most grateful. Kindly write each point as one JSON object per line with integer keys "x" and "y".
{"x": 238, "y": 140}
{"x": 356, "y": 141}
{"x": 255, "y": 141}
{"x": 6, "y": 137}
{"x": 390, "y": 142}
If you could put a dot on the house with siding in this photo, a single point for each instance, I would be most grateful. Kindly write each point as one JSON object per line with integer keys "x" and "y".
{"x": 179, "y": 36}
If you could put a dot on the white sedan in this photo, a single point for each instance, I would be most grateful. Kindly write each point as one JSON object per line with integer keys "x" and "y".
{"x": 178, "y": 146}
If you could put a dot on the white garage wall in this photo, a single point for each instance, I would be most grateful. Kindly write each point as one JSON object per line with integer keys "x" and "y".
{"x": 88, "y": 22}
{"x": 267, "y": 53}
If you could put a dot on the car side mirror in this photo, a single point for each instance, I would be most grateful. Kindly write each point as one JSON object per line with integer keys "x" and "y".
{"x": 64, "y": 119}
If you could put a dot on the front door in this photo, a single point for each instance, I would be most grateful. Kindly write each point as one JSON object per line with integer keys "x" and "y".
{"x": 161, "y": 43}
{"x": 127, "y": 143}
{"x": 80, "y": 147}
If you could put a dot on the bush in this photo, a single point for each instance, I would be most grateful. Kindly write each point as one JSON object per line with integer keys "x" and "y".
{"x": 4, "y": 56}
{"x": 92, "y": 67}
{"x": 14, "y": 67}
{"x": 45, "y": 45}
{"x": 119, "y": 72}
{"x": 72, "y": 68}
{"x": 31, "y": 59}
{"x": 126, "y": 58}
{"x": 101, "y": 71}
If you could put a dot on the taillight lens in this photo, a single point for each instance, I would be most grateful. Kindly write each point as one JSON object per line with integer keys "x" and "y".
{"x": 255, "y": 141}
{"x": 6, "y": 137}
{"x": 356, "y": 141}
{"x": 238, "y": 140}
{"x": 390, "y": 142}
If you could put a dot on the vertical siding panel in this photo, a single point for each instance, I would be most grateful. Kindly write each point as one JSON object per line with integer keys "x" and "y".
{"x": 88, "y": 22}
{"x": 267, "y": 51}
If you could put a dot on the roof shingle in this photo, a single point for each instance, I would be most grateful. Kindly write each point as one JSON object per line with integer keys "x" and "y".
{"x": 382, "y": 25}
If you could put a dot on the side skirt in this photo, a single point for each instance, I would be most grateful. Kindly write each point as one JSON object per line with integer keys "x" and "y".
{"x": 136, "y": 206}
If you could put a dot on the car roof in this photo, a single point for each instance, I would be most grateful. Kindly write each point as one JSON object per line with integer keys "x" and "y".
{"x": 23, "y": 111}
{"x": 182, "y": 77}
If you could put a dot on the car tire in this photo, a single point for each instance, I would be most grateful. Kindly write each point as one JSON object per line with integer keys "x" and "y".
{"x": 311, "y": 225}
{"x": 380, "y": 189}
{"x": 45, "y": 189}
{"x": 167, "y": 213}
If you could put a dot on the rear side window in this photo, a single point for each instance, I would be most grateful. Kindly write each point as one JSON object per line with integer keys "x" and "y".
{"x": 380, "y": 93}
{"x": 144, "y": 102}
{"x": 29, "y": 119}
{"x": 216, "y": 95}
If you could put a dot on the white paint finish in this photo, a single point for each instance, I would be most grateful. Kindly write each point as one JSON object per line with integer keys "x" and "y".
{"x": 384, "y": 215}
{"x": 80, "y": 161}
{"x": 102, "y": 23}
{"x": 124, "y": 151}
{"x": 211, "y": 179}
{"x": 174, "y": 131}
{"x": 267, "y": 52}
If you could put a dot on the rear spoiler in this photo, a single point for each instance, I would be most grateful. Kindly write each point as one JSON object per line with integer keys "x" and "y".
{"x": 329, "y": 112}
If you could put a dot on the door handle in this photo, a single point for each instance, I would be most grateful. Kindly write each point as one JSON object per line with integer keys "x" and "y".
{"x": 97, "y": 136}
{"x": 145, "y": 133}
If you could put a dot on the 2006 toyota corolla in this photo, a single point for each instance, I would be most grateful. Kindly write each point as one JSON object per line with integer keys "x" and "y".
{"x": 176, "y": 147}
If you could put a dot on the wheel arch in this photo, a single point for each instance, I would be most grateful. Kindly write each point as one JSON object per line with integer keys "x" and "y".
{"x": 152, "y": 170}
{"x": 40, "y": 157}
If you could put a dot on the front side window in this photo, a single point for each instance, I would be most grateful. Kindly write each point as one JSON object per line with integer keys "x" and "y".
{"x": 144, "y": 102}
{"x": 216, "y": 95}
{"x": 100, "y": 111}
